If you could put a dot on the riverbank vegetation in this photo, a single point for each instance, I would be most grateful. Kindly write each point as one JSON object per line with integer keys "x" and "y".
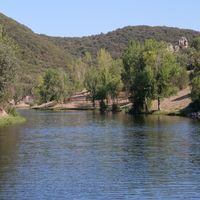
{"x": 195, "y": 76}
{"x": 147, "y": 71}
{"x": 151, "y": 72}
{"x": 103, "y": 80}
{"x": 9, "y": 65}
{"x": 144, "y": 70}
{"x": 10, "y": 116}
{"x": 11, "y": 120}
{"x": 37, "y": 52}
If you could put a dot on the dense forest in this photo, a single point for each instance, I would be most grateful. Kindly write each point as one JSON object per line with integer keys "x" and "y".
{"x": 116, "y": 41}
{"x": 40, "y": 51}
{"x": 104, "y": 64}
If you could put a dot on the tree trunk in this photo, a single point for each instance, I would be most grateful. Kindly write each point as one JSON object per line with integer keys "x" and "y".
{"x": 158, "y": 103}
{"x": 146, "y": 106}
{"x": 103, "y": 106}
{"x": 107, "y": 101}
{"x": 93, "y": 103}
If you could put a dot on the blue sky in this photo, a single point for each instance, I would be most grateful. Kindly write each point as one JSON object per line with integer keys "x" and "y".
{"x": 88, "y": 17}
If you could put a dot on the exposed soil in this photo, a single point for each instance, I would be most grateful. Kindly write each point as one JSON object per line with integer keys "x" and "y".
{"x": 176, "y": 102}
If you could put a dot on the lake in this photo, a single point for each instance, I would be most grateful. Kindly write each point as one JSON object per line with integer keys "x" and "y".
{"x": 85, "y": 155}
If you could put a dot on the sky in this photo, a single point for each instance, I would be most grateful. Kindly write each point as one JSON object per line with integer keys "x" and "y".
{"x": 90, "y": 17}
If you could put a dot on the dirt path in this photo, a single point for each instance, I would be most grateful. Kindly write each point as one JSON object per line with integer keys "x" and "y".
{"x": 174, "y": 103}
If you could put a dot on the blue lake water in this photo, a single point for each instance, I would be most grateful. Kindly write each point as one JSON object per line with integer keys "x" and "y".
{"x": 82, "y": 155}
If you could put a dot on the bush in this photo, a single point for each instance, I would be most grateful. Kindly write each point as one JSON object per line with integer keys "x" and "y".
{"x": 12, "y": 111}
{"x": 195, "y": 93}
{"x": 52, "y": 86}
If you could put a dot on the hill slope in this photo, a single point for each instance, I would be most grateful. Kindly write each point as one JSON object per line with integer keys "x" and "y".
{"x": 176, "y": 102}
{"x": 39, "y": 52}
{"x": 116, "y": 41}
{"x": 34, "y": 49}
{"x": 35, "y": 53}
{"x": 44, "y": 50}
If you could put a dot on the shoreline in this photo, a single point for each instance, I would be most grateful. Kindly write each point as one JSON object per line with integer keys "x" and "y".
{"x": 52, "y": 106}
{"x": 179, "y": 113}
{"x": 195, "y": 115}
{"x": 10, "y": 120}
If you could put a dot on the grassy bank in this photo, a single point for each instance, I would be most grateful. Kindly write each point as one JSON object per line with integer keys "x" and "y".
{"x": 11, "y": 120}
{"x": 170, "y": 113}
{"x": 186, "y": 112}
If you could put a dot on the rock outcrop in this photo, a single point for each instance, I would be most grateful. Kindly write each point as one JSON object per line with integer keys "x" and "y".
{"x": 182, "y": 44}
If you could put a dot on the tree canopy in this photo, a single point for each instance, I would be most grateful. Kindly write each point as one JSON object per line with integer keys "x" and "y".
{"x": 8, "y": 67}
{"x": 150, "y": 72}
{"x": 103, "y": 80}
{"x": 195, "y": 82}
{"x": 52, "y": 86}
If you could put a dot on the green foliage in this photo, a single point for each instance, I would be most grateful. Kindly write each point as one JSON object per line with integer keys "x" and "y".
{"x": 195, "y": 93}
{"x": 152, "y": 73}
{"x": 116, "y": 42}
{"x": 77, "y": 73}
{"x": 189, "y": 58}
{"x": 196, "y": 43}
{"x": 109, "y": 75}
{"x": 36, "y": 53}
{"x": 91, "y": 83}
{"x": 195, "y": 82}
{"x": 195, "y": 75}
{"x": 182, "y": 80}
{"x": 195, "y": 60}
{"x": 11, "y": 120}
{"x": 96, "y": 69}
{"x": 8, "y": 67}
{"x": 185, "y": 58}
{"x": 12, "y": 111}
{"x": 53, "y": 86}
{"x": 133, "y": 63}
{"x": 103, "y": 81}
{"x": 163, "y": 66}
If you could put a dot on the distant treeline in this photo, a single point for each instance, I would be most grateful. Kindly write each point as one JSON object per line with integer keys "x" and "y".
{"x": 115, "y": 42}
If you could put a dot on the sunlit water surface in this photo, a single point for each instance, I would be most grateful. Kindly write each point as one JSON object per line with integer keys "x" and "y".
{"x": 84, "y": 155}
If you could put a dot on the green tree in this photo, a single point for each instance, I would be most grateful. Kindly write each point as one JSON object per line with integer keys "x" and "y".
{"x": 196, "y": 43}
{"x": 77, "y": 74}
{"x": 150, "y": 72}
{"x": 91, "y": 83}
{"x": 8, "y": 68}
{"x": 195, "y": 82}
{"x": 195, "y": 92}
{"x": 53, "y": 86}
{"x": 103, "y": 80}
{"x": 115, "y": 84}
{"x": 109, "y": 78}
{"x": 165, "y": 68}
{"x": 132, "y": 63}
